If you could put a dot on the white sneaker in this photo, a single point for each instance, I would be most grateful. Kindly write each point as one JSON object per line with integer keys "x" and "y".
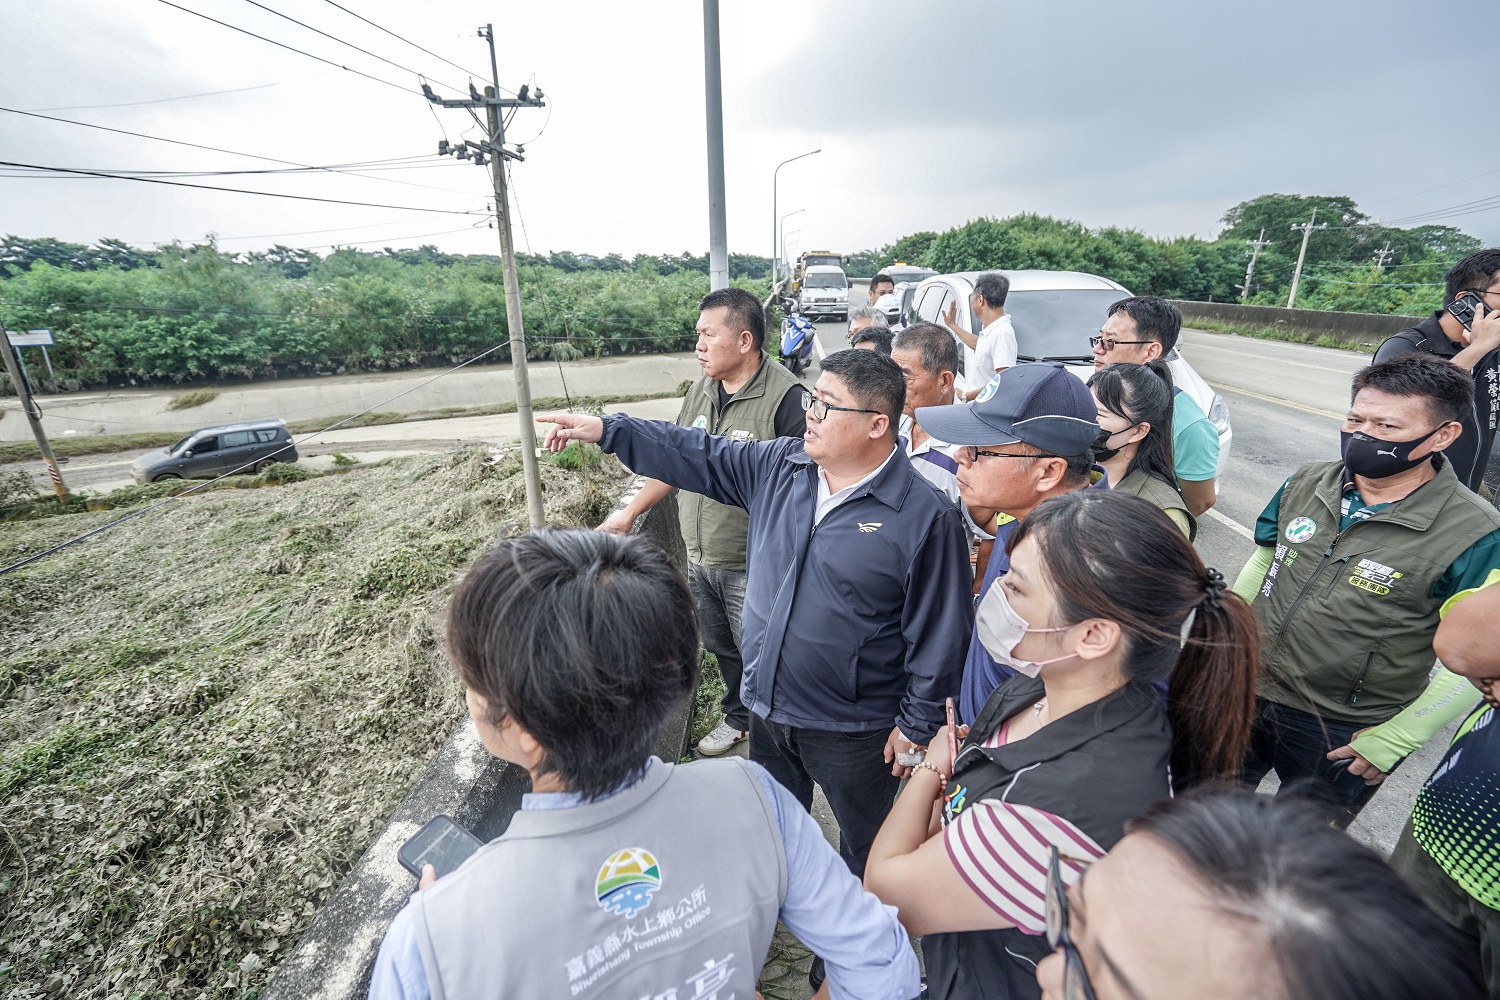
{"x": 720, "y": 740}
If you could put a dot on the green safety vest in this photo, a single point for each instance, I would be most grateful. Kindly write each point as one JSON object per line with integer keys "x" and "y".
{"x": 1347, "y": 617}
{"x": 715, "y": 533}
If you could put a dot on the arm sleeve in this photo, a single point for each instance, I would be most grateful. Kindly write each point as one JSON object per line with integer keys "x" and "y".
{"x": 936, "y": 621}
{"x": 791, "y": 419}
{"x": 691, "y": 458}
{"x": 1195, "y": 441}
{"x": 861, "y": 939}
{"x": 1002, "y": 851}
{"x": 1447, "y": 697}
{"x": 1253, "y": 575}
{"x": 399, "y": 973}
{"x": 1470, "y": 570}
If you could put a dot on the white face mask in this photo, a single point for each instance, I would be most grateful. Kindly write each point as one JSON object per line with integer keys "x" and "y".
{"x": 1001, "y": 628}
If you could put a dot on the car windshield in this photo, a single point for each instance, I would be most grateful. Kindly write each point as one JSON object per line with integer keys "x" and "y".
{"x": 830, "y": 259}
{"x": 1056, "y": 325}
{"x": 826, "y": 281}
{"x": 914, "y": 275}
{"x": 177, "y": 448}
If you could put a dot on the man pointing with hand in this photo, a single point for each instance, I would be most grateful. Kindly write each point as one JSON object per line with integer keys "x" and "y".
{"x": 857, "y": 607}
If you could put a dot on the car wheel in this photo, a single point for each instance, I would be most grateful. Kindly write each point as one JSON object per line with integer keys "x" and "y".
{"x": 264, "y": 464}
{"x": 165, "y": 476}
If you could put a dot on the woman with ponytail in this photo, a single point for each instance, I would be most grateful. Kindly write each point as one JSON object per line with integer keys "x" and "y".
{"x": 1105, "y": 601}
{"x": 1135, "y": 436}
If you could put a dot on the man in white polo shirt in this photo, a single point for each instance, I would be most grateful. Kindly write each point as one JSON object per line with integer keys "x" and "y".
{"x": 995, "y": 348}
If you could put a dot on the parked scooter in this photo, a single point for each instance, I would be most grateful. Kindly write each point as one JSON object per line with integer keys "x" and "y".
{"x": 797, "y": 332}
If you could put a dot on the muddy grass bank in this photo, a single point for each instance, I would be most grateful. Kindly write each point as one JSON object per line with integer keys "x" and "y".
{"x": 207, "y": 713}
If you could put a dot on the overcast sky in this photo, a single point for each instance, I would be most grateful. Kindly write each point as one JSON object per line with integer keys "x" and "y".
{"x": 1155, "y": 116}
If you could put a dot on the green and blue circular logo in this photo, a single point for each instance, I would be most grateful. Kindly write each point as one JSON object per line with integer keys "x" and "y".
{"x": 1301, "y": 529}
{"x": 627, "y": 880}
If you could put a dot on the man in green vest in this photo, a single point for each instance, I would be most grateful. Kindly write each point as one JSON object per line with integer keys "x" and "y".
{"x": 745, "y": 395}
{"x": 1356, "y": 559}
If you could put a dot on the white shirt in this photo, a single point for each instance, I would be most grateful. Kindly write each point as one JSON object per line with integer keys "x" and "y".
{"x": 942, "y": 474}
{"x": 997, "y": 349}
{"x": 827, "y": 500}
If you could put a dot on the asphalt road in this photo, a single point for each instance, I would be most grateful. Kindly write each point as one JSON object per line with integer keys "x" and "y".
{"x": 1286, "y": 404}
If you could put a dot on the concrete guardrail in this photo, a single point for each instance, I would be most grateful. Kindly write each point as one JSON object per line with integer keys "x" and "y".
{"x": 1367, "y": 329}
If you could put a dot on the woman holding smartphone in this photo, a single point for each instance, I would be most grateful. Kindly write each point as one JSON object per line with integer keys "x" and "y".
{"x": 1104, "y": 598}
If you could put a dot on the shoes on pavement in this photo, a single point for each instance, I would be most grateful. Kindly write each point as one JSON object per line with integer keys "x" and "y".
{"x": 720, "y": 740}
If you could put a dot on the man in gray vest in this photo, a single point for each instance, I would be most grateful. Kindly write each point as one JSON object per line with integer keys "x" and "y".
{"x": 1356, "y": 559}
{"x": 621, "y": 876}
{"x": 745, "y": 395}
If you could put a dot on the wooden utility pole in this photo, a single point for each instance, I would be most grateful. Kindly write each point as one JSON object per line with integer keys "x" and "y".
{"x": 34, "y": 417}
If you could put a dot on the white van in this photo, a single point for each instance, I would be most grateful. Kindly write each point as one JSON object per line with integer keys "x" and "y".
{"x": 825, "y": 293}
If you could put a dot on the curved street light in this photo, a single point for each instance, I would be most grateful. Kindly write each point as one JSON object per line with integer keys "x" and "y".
{"x": 775, "y": 178}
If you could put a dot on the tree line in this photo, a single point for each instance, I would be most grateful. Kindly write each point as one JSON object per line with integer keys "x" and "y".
{"x": 187, "y": 312}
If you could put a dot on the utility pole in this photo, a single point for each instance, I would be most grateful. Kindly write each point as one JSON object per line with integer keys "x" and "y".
{"x": 1381, "y": 255}
{"x": 1307, "y": 228}
{"x": 34, "y": 417}
{"x": 1255, "y": 246}
{"x": 497, "y": 157}
{"x": 718, "y": 232}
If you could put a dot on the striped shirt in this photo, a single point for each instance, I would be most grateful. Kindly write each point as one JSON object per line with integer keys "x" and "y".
{"x": 937, "y": 463}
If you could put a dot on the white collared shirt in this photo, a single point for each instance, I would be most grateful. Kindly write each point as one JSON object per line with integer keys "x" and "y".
{"x": 996, "y": 349}
{"x": 828, "y": 500}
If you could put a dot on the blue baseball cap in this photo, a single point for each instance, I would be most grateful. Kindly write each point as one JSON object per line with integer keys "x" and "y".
{"x": 1039, "y": 403}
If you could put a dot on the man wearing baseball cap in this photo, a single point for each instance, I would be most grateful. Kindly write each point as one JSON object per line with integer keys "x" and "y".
{"x": 1030, "y": 435}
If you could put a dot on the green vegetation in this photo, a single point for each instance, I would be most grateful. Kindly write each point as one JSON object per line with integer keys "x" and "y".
{"x": 208, "y": 712}
{"x": 1339, "y": 272}
{"x": 340, "y": 460}
{"x": 184, "y": 313}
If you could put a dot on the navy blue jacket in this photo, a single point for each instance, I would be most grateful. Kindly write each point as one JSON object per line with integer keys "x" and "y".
{"x": 854, "y": 625}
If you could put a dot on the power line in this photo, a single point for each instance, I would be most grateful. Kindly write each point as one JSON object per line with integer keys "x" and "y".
{"x": 168, "y": 100}
{"x": 291, "y": 48}
{"x": 356, "y": 48}
{"x": 408, "y": 41}
{"x": 211, "y": 187}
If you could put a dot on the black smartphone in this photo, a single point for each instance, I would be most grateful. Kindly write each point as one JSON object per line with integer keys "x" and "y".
{"x": 1462, "y": 308}
{"x": 442, "y": 843}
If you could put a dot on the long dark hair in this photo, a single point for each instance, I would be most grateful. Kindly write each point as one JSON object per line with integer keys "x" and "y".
{"x": 1341, "y": 924}
{"x": 1142, "y": 394}
{"x": 588, "y": 640}
{"x": 1116, "y": 556}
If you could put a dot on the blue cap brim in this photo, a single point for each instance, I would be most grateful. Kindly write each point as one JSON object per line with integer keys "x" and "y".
{"x": 959, "y": 424}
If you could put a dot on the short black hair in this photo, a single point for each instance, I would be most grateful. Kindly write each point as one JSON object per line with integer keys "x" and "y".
{"x": 882, "y": 276}
{"x": 1339, "y": 923}
{"x": 874, "y": 380}
{"x": 878, "y": 337}
{"x": 1448, "y": 389}
{"x": 1475, "y": 271}
{"x": 938, "y": 347}
{"x": 745, "y": 312}
{"x": 588, "y": 640}
{"x": 1155, "y": 318}
{"x": 993, "y": 287}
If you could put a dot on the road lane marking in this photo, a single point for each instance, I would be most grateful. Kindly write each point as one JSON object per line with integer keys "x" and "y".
{"x": 1232, "y": 525}
{"x": 818, "y": 347}
{"x": 1340, "y": 417}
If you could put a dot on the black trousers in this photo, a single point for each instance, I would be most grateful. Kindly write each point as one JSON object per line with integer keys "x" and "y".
{"x": 850, "y": 768}
{"x": 1295, "y": 745}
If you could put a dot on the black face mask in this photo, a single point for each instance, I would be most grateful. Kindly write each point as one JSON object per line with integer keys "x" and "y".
{"x": 1376, "y": 459}
{"x": 1103, "y": 453}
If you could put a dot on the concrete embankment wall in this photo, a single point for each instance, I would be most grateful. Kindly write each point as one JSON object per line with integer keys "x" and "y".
{"x": 1357, "y": 328}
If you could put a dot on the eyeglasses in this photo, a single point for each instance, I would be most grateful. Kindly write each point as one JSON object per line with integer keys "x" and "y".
{"x": 1076, "y": 985}
{"x": 974, "y": 454}
{"x": 1481, "y": 291}
{"x": 1110, "y": 345}
{"x": 818, "y": 409}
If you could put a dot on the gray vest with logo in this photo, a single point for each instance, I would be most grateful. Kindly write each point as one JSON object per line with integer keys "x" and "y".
{"x": 623, "y": 898}
{"x": 716, "y": 533}
{"x": 1347, "y": 617}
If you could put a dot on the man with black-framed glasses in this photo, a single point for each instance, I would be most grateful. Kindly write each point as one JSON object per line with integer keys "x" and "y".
{"x": 857, "y": 606}
{"x": 1466, "y": 332}
{"x": 1030, "y": 436}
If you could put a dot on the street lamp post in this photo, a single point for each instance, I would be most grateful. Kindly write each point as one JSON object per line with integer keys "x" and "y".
{"x": 781, "y": 255}
{"x": 775, "y": 177}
